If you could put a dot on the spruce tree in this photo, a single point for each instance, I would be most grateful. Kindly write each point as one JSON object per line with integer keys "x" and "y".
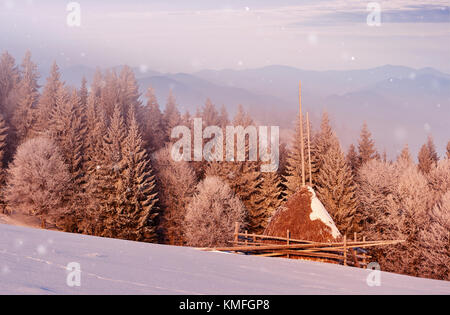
{"x": 106, "y": 185}
{"x": 405, "y": 156}
{"x": 366, "y": 146}
{"x": 427, "y": 156}
{"x": 176, "y": 183}
{"x": 352, "y": 159}
{"x": 171, "y": 115}
{"x": 244, "y": 178}
{"x": 9, "y": 80}
{"x": 48, "y": 99}
{"x": 153, "y": 126}
{"x": 448, "y": 150}
{"x": 3, "y": 136}
{"x": 27, "y": 97}
{"x": 271, "y": 192}
{"x": 137, "y": 221}
{"x": 336, "y": 189}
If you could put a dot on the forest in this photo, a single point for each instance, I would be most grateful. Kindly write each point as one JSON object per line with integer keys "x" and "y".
{"x": 96, "y": 160}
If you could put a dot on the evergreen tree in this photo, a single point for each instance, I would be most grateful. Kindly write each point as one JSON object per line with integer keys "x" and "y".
{"x": 366, "y": 146}
{"x": 223, "y": 117}
{"x": 352, "y": 159}
{"x": 3, "y": 136}
{"x": 244, "y": 178}
{"x": 271, "y": 192}
{"x": 405, "y": 156}
{"x": 336, "y": 189}
{"x": 9, "y": 80}
{"x": 106, "y": 186}
{"x": 83, "y": 93}
{"x": 427, "y": 156}
{"x": 129, "y": 91}
{"x": 448, "y": 150}
{"x": 47, "y": 102}
{"x": 27, "y": 96}
{"x": 171, "y": 116}
{"x": 110, "y": 94}
{"x": 137, "y": 220}
{"x": 154, "y": 135}
{"x": 176, "y": 183}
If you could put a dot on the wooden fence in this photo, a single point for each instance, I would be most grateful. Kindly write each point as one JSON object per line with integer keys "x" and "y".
{"x": 349, "y": 252}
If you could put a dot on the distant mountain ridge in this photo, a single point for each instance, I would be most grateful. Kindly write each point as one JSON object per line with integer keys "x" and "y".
{"x": 400, "y": 104}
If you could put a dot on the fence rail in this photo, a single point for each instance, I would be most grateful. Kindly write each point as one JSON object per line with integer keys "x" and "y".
{"x": 346, "y": 252}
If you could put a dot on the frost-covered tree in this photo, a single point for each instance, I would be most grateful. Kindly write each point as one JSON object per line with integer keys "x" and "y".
{"x": 67, "y": 129}
{"x": 352, "y": 159}
{"x": 38, "y": 180}
{"x": 27, "y": 95}
{"x": 105, "y": 186}
{"x": 448, "y": 150}
{"x": 212, "y": 213}
{"x": 244, "y": 178}
{"x": 436, "y": 241}
{"x": 366, "y": 146}
{"x": 271, "y": 193}
{"x": 137, "y": 219}
{"x": 427, "y": 156}
{"x": 48, "y": 99}
{"x": 439, "y": 179}
{"x": 3, "y": 137}
{"x": 171, "y": 115}
{"x": 153, "y": 126}
{"x": 176, "y": 183}
{"x": 405, "y": 156}
{"x": 9, "y": 80}
{"x": 336, "y": 189}
{"x": 394, "y": 202}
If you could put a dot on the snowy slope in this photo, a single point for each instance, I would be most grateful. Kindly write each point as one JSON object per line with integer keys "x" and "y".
{"x": 33, "y": 261}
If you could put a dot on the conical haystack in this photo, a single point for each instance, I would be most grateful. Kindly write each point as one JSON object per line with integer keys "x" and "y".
{"x": 305, "y": 217}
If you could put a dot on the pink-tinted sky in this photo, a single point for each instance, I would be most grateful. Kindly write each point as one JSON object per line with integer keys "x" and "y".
{"x": 198, "y": 34}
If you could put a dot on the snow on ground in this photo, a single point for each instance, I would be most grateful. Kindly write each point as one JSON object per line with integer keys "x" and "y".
{"x": 34, "y": 261}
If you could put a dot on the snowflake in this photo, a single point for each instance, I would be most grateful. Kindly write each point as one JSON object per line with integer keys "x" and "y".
{"x": 41, "y": 249}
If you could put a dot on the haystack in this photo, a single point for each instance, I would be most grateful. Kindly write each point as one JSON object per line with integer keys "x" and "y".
{"x": 305, "y": 217}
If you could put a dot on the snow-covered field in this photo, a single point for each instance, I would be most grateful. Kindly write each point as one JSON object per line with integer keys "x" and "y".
{"x": 34, "y": 261}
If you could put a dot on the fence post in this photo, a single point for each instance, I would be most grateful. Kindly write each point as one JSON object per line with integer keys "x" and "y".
{"x": 345, "y": 250}
{"x": 288, "y": 236}
{"x": 236, "y": 233}
{"x": 364, "y": 255}
{"x": 246, "y": 239}
{"x": 355, "y": 236}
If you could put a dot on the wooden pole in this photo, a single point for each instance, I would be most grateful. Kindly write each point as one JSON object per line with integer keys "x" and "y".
{"x": 246, "y": 239}
{"x": 236, "y": 232}
{"x": 309, "y": 148}
{"x": 301, "y": 133}
{"x": 355, "y": 236}
{"x": 364, "y": 256}
{"x": 345, "y": 250}
{"x": 288, "y": 236}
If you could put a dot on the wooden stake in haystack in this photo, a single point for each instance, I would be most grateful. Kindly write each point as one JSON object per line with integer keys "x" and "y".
{"x": 301, "y": 133}
{"x": 302, "y": 147}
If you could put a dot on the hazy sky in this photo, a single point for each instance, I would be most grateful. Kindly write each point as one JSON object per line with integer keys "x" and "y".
{"x": 182, "y": 35}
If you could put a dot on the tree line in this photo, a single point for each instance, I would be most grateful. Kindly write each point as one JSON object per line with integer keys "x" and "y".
{"x": 96, "y": 160}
